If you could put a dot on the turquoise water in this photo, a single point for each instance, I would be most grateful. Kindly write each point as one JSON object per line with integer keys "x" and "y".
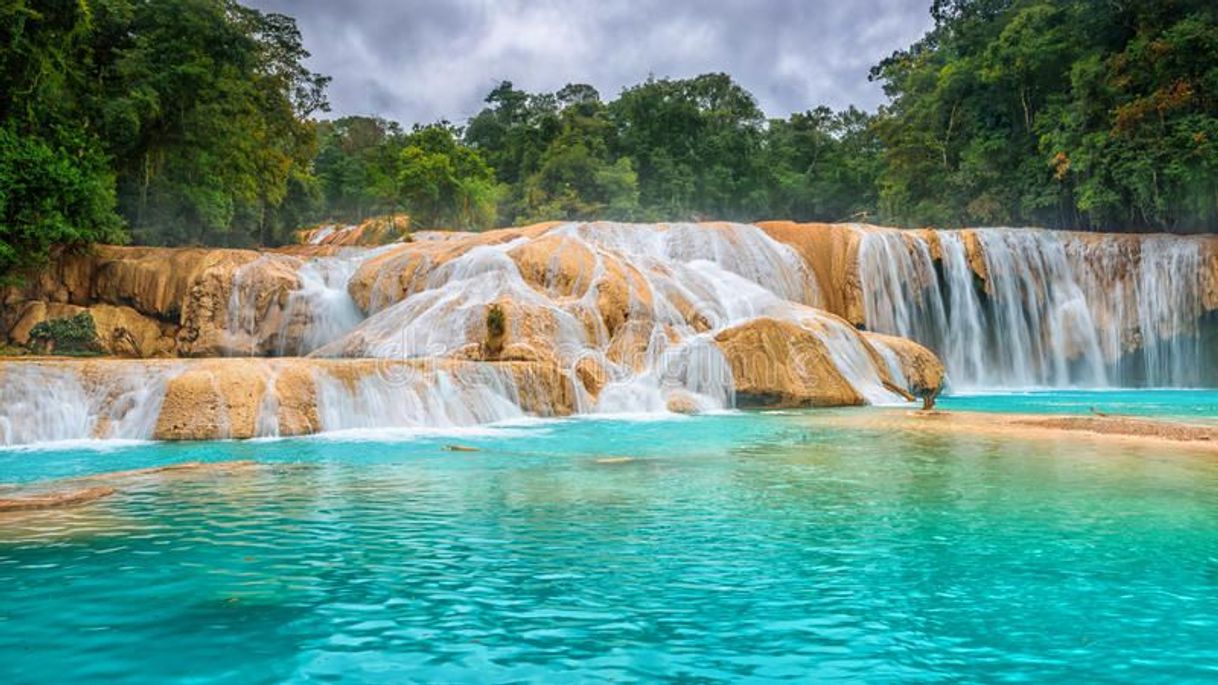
{"x": 1184, "y": 404}
{"x": 741, "y": 548}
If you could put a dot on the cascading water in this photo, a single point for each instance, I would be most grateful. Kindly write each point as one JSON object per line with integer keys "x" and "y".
{"x": 1172, "y": 348}
{"x": 1041, "y": 321}
{"x": 624, "y": 318}
{"x": 318, "y": 309}
{"x": 322, "y": 307}
{"x": 50, "y": 403}
{"x": 684, "y": 283}
{"x": 1055, "y": 309}
{"x": 435, "y": 398}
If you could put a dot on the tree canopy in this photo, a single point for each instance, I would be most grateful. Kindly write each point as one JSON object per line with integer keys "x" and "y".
{"x": 194, "y": 122}
{"x": 1064, "y": 113}
{"x": 186, "y": 120}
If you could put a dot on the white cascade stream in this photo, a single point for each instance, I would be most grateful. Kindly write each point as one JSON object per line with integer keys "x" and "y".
{"x": 418, "y": 399}
{"x": 1060, "y": 309}
{"x": 318, "y": 311}
{"x": 722, "y": 275}
{"x": 48, "y": 403}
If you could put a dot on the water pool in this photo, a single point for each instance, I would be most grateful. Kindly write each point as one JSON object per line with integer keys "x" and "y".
{"x": 1190, "y": 404}
{"x": 738, "y": 547}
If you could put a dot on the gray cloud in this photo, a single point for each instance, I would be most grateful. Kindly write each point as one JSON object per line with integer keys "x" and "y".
{"x": 422, "y": 60}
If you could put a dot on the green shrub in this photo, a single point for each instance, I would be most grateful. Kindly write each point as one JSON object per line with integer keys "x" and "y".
{"x": 496, "y": 322}
{"x": 69, "y": 335}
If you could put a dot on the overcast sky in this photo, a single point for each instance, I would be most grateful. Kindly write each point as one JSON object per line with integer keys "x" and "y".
{"x": 422, "y": 60}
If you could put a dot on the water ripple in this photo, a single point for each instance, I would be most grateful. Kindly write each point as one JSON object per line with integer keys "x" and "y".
{"x": 727, "y": 549}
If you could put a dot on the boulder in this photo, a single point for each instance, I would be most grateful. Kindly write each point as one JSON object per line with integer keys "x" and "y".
{"x": 373, "y": 232}
{"x": 911, "y": 366}
{"x": 831, "y": 250}
{"x": 779, "y": 363}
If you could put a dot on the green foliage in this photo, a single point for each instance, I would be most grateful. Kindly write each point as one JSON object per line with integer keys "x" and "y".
{"x": 204, "y": 104}
{"x": 669, "y": 150}
{"x": 191, "y": 122}
{"x": 1066, "y": 113}
{"x": 697, "y": 144}
{"x": 823, "y": 165}
{"x": 356, "y": 167}
{"x": 577, "y": 177}
{"x": 443, "y": 183}
{"x": 51, "y": 195}
{"x": 55, "y": 184}
{"x": 496, "y": 321}
{"x": 185, "y": 119}
{"x": 74, "y": 335}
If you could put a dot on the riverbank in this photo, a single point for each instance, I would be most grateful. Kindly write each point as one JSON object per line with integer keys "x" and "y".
{"x": 1162, "y": 433}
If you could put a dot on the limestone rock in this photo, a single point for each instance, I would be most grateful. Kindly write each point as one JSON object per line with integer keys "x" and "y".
{"x": 778, "y": 363}
{"x": 236, "y": 304}
{"x": 917, "y": 369}
{"x": 122, "y": 331}
{"x": 831, "y": 250}
{"x": 213, "y": 399}
{"x": 381, "y": 230}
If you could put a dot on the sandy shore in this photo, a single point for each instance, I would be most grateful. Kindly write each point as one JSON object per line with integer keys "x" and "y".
{"x": 1128, "y": 429}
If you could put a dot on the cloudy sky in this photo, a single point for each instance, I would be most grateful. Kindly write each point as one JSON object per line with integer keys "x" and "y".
{"x": 422, "y": 60}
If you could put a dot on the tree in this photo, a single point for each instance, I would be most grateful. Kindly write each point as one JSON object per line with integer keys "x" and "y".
{"x": 577, "y": 177}
{"x": 696, "y": 144}
{"x": 823, "y": 165}
{"x": 444, "y": 183}
{"x": 55, "y": 185}
{"x": 204, "y": 105}
{"x": 356, "y": 166}
{"x": 1065, "y": 113}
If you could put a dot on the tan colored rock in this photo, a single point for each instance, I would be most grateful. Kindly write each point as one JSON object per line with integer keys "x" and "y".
{"x": 213, "y": 399}
{"x": 681, "y": 402}
{"x": 975, "y": 254}
{"x": 778, "y": 363}
{"x": 241, "y": 398}
{"x": 555, "y": 265}
{"x": 54, "y": 500}
{"x": 373, "y": 232}
{"x": 122, "y": 331}
{"x": 28, "y": 315}
{"x": 921, "y": 372}
{"x": 831, "y": 250}
{"x": 260, "y": 285}
{"x": 592, "y": 374}
{"x": 235, "y": 398}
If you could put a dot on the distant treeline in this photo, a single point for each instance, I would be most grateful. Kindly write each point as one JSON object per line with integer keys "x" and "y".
{"x": 193, "y": 122}
{"x": 665, "y": 149}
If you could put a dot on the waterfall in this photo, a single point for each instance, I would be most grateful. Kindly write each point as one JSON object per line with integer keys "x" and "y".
{"x": 1055, "y": 309}
{"x": 322, "y": 307}
{"x": 964, "y": 344}
{"x": 317, "y": 311}
{"x": 901, "y": 292}
{"x": 628, "y": 318}
{"x": 49, "y": 403}
{"x": 418, "y": 398}
{"x": 676, "y": 285}
{"x": 1171, "y": 272}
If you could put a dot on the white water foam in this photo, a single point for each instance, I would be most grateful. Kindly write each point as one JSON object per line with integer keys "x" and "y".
{"x": 1059, "y": 309}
